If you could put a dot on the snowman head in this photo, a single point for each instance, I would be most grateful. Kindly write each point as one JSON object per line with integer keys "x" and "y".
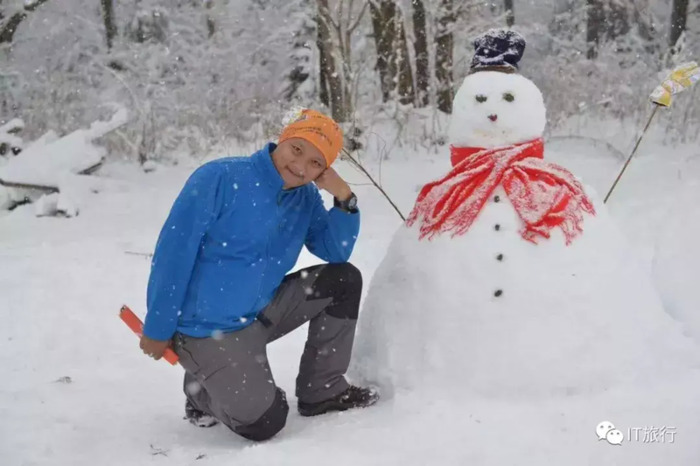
{"x": 496, "y": 106}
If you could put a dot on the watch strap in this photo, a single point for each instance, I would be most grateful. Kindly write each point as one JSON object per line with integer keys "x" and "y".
{"x": 348, "y": 205}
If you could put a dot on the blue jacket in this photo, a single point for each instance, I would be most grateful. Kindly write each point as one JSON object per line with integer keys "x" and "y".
{"x": 231, "y": 237}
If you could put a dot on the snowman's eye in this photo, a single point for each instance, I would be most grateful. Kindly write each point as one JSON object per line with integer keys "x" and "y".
{"x": 508, "y": 97}
{"x": 481, "y": 98}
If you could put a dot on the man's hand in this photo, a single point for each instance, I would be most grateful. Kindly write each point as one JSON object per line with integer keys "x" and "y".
{"x": 334, "y": 184}
{"x": 154, "y": 348}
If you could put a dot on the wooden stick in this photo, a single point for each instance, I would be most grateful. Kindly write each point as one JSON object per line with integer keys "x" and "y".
{"x": 142, "y": 254}
{"x": 40, "y": 187}
{"x": 636, "y": 146}
{"x": 358, "y": 165}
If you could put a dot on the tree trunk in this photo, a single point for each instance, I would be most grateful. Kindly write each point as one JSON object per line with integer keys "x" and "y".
{"x": 382, "y": 14}
{"x": 326, "y": 65}
{"x": 322, "y": 82}
{"x": 211, "y": 24}
{"x": 7, "y": 32}
{"x": 616, "y": 20}
{"x": 594, "y": 24}
{"x": 335, "y": 78}
{"x": 510, "y": 13}
{"x": 392, "y": 51}
{"x": 407, "y": 94}
{"x": 420, "y": 46}
{"x": 644, "y": 22}
{"x": 108, "y": 17}
{"x": 679, "y": 16}
{"x": 300, "y": 59}
{"x": 443, "y": 56}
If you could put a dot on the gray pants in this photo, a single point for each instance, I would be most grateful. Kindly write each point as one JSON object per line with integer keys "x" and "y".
{"x": 228, "y": 376}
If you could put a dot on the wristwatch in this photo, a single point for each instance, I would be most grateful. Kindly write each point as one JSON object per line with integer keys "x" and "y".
{"x": 348, "y": 205}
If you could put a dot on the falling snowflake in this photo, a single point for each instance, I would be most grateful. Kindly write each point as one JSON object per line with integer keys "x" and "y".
{"x": 193, "y": 388}
{"x": 294, "y": 114}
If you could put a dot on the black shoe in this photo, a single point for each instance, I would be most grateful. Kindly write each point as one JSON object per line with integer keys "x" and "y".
{"x": 353, "y": 397}
{"x": 197, "y": 417}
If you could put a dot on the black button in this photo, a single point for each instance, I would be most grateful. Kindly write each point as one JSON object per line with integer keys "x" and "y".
{"x": 499, "y": 257}
{"x": 497, "y": 227}
{"x": 498, "y": 293}
{"x": 497, "y": 198}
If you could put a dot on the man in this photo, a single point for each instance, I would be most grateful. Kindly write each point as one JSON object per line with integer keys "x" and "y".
{"x": 219, "y": 293}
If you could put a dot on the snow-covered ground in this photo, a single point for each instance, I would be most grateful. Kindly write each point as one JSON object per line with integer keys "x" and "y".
{"x": 78, "y": 391}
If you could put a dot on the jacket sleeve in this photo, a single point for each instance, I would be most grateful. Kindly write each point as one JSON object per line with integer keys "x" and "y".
{"x": 194, "y": 210}
{"x": 332, "y": 233}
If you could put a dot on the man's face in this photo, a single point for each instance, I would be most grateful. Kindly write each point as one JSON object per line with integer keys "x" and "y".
{"x": 298, "y": 162}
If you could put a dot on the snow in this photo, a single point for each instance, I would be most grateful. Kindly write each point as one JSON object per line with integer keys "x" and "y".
{"x": 521, "y": 120}
{"x": 63, "y": 281}
{"x": 483, "y": 315}
{"x": 46, "y": 205}
{"x": 149, "y": 166}
{"x": 571, "y": 320}
{"x": 676, "y": 268}
{"x": 52, "y": 162}
{"x": 7, "y": 130}
{"x": 529, "y": 321}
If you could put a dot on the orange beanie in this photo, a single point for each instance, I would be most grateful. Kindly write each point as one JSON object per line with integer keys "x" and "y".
{"x": 318, "y": 129}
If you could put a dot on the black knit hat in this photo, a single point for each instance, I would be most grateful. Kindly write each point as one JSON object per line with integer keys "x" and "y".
{"x": 498, "y": 49}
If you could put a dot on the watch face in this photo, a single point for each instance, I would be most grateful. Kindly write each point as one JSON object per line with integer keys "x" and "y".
{"x": 352, "y": 202}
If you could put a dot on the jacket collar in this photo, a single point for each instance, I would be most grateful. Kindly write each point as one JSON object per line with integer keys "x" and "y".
{"x": 262, "y": 160}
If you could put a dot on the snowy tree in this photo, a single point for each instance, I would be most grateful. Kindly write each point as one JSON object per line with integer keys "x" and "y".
{"x": 393, "y": 62}
{"x": 299, "y": 77}
{"x": 109, "y": 21}
{"x": 197, "y": 74}
{"x": 420, "y": 44}
{"x": 444, "y": 41}
{"x": 679, "y": 17}
{"x": 336, "y": 27}
{"x": 510, "y": 12}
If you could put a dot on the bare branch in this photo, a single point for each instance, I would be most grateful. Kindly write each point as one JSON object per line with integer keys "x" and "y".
{"x": 352, "y": 28}
{"x": 348, "y": 19}
{"x": 339, "y": 11}
{"x": 376, "y": 185}
{"x": 327, "y": 18}
{"x": 34, "y": 5}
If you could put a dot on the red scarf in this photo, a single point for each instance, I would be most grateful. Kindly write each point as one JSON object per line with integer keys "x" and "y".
{"x": 544, "y": 195}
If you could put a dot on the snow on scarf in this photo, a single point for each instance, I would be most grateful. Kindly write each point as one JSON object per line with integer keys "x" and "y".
{"x": 544, "y": 195}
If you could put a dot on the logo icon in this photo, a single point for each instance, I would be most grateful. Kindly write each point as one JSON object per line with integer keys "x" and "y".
{"x": 606, "y": 430}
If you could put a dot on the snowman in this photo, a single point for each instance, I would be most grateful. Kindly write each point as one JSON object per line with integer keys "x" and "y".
{"x": 509, "y": 279}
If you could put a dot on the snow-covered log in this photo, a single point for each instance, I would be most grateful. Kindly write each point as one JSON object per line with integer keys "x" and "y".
{"x": 51, "y": 164}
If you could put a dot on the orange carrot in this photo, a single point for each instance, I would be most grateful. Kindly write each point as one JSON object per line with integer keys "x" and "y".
{"x": 136, "y": 326}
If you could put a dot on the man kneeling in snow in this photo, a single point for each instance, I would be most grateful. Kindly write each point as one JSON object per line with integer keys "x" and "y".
{"x": 219, "y": 293}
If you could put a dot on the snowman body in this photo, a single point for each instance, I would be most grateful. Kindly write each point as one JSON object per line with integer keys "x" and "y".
{"x": 490, "y": 312}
